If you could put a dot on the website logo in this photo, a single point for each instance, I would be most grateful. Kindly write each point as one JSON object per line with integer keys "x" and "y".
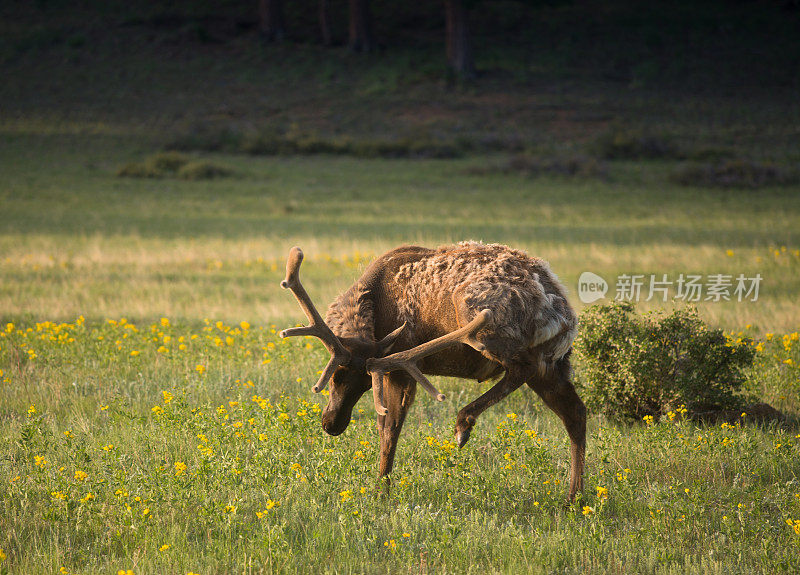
{"x": 591, "y": 287}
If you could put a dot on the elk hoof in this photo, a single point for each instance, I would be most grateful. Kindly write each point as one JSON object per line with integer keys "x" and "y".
{"x": 464, "y": 424}
{"x": 462, "y": 436}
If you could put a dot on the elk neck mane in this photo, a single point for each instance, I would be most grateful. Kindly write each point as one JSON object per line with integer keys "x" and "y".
{"x": 352, "y": 314}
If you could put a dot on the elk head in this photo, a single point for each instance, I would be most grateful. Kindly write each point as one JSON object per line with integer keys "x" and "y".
{"x": 356, "y": 365}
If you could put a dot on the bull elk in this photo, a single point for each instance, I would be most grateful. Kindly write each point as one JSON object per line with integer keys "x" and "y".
{"x": 469, "y": 310}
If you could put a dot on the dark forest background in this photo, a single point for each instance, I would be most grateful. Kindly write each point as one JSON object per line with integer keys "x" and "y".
{"x": 492, "y": 73}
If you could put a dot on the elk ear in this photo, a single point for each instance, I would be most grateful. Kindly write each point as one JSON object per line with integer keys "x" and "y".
{"x": 385, "y": 345}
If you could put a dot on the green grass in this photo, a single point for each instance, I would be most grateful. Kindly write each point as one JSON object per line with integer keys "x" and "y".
{"x": 154, "y": 464}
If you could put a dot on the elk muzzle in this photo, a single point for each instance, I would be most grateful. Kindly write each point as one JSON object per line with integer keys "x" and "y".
{"x": 335, "y": 420}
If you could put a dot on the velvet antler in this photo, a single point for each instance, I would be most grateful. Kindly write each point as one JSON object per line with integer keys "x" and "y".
{"x": 406, "y": 360}
{"x": 318, "y": 328}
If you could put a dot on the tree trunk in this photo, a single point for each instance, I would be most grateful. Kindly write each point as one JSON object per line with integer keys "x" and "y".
{"x": 360, "y": 26}
{"x": 459, "y": 49}
{"x": 271, "y": 25}
{"x": 325, "y": 22}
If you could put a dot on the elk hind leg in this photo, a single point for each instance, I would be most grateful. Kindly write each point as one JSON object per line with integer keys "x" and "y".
{"x": 558, "y": 393}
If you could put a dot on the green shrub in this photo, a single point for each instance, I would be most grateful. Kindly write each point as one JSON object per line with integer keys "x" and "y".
{"x": 294, "y": 141}
{"x": 201, "y": 170}
{"x": 536, "y": 165}
{"x": 167, "y": 162}
{"x": 173, "y": 165}
{"x": 734, "y": 174}
{"x": 573, "y": 165}
{"x": 638, "y": 365}
{"x": 156, "y": 166}
{"x": 621, "y": 143}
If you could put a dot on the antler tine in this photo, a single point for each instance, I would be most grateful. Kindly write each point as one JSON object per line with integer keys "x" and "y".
{"x": 292, "y": 282}
{"x": 407, "y": 359}
{"x": 377, "y": 391}
{"x": 318, "y": 328}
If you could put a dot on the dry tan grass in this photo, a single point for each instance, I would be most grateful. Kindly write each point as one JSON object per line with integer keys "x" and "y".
{"x": 54, "y": 278}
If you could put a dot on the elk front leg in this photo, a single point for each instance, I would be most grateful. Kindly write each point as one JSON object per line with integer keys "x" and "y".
{"x": 511, "y": 381}
{"x": 398, "y": 395}
{"x": 559, "y": 394}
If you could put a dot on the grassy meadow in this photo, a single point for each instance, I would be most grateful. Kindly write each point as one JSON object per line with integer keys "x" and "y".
{"x": 151, "y": 421}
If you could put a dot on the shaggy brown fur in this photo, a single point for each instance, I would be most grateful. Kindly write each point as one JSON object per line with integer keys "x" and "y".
{"x": 529, "y": 305}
